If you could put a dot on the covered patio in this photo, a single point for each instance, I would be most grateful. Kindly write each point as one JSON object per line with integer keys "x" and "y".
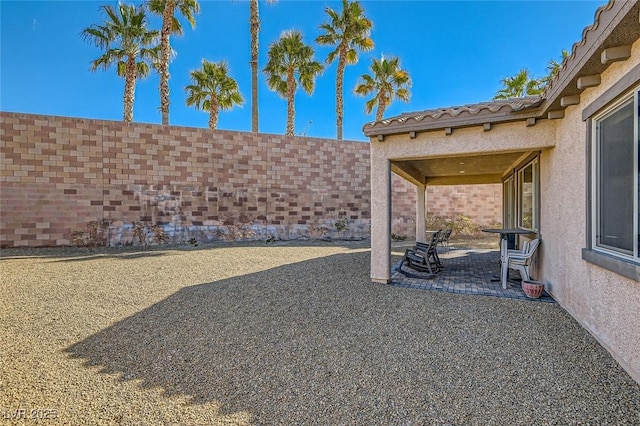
{"x": 494, "y": 142}
{"x": 466, "y": 271}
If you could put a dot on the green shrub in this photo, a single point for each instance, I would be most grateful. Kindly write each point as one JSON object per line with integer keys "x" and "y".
{"x": 342, "y": 224}
{"x": 460, "y": 225}
{"x": 396, "y": 237}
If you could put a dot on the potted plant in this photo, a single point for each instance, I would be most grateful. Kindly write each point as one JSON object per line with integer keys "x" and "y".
{"x": 532, "y": 289}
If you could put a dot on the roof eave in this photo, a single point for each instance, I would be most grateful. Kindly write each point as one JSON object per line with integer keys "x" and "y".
{"x": 429, "y": 124}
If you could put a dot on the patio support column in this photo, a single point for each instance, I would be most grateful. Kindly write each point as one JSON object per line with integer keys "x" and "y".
{"x": 421, "y": 227}
{"x": 380, "y": 220}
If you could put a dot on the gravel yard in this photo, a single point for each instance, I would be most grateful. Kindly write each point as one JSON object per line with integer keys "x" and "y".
{"x": 289, "y": 334}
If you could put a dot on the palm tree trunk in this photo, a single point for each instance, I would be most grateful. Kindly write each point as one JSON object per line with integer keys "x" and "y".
{"x": 381, "y": 105}
{"x": 340, "y": 92}
{"x": 214, "y": 108}
{"x": 129, "y": 89}
{"x": 291, "y": 112}
{"x": 254, "y": 24}
{"x": 165, "y": 32}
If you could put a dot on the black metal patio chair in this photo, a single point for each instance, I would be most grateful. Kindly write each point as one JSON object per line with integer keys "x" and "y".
{"x": 424, "y": 257}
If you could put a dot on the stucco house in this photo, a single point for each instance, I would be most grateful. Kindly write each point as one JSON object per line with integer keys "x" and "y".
{"x": 569, "y": 163}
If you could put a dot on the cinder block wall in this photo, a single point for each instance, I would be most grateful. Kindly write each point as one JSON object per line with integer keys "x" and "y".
{"x": 59, "y": 173}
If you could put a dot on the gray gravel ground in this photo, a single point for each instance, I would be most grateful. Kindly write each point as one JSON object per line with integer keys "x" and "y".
{"x": 285, "y": 334}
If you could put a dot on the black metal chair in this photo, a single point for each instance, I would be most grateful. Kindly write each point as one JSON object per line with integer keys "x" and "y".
{"x": 424, "y": 257}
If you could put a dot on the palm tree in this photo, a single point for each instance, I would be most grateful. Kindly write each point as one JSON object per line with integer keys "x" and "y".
{"x": 521, "y": 84}
{"x": 387, "y": 82}
{"x": 213, "y": 89}
{"x": 349, "y": 32}
{"x": 553, "y": 67}
{"x": 254, "y": 27}
{"x": 170, "y": 25}
{"x": 127, "y": 44}
{"x": 291, "y": 62}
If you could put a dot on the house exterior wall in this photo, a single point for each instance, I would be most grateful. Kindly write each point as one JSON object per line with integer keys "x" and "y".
{"x": 504, "y": 137}
{"x": 604, "y": 302}
{"x": 58, "y": 173}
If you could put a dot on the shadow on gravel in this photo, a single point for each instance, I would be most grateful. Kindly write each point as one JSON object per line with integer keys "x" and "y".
{"x": 316, "y": 342}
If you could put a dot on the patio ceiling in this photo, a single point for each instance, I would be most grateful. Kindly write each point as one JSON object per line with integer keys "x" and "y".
{"x": 458, "y": 170}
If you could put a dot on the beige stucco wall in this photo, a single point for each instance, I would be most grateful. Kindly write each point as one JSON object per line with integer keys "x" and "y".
{"x": 505, "y": 137}
{"x": 605, "y": 303}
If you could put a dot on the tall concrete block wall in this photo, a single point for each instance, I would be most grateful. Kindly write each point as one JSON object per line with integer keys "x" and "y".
{"x": 59, "y": 173}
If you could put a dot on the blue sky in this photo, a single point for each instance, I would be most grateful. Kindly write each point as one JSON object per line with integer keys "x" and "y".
{"x": 456, "y": 53}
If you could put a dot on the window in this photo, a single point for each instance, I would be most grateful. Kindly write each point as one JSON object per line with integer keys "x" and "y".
{"x": 521, "y": 196}
{"x": 528, "y": 196}
{"x": 616, "y": 179}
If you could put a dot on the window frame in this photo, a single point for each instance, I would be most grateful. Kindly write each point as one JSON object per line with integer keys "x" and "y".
{"x": 511, "y": 183}
{"x": 631, "y": 95}
{"x": 535, "y": 194}
{"x": 617, "y": 264}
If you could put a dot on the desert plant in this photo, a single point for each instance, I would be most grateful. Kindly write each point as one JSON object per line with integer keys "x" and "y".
{"x": 461, "y": 224}
{"x": 316, "y": 232}
{"x": 342, "y": 224}
{"x": 465, "y": 225}
{"x": 237, "y": 229}
{"x": 159, "y": 236}
{"x": 142, "y": 231}
{"x": 494, "y": 224}
{"x": 396, "y": 237}
{"x": 92, "y": 236}
{"x": 435, "y": 222}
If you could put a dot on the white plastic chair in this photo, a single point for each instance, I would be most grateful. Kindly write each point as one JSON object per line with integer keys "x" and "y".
{"x": 519, "y": 260}
{"x": 522, "y": 251}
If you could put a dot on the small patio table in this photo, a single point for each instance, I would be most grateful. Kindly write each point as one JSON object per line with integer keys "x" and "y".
{"x": 504, "y": 241}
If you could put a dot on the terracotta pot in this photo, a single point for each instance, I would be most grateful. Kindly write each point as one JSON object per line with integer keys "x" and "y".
{"x": 532, "y": 289}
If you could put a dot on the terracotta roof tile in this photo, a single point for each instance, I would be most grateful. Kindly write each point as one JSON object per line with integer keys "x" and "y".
{"x": 514, "y": 104}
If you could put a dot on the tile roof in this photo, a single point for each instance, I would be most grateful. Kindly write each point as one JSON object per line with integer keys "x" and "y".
{"x": 502, "y": 110}
{"x": 513, "y": 105}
